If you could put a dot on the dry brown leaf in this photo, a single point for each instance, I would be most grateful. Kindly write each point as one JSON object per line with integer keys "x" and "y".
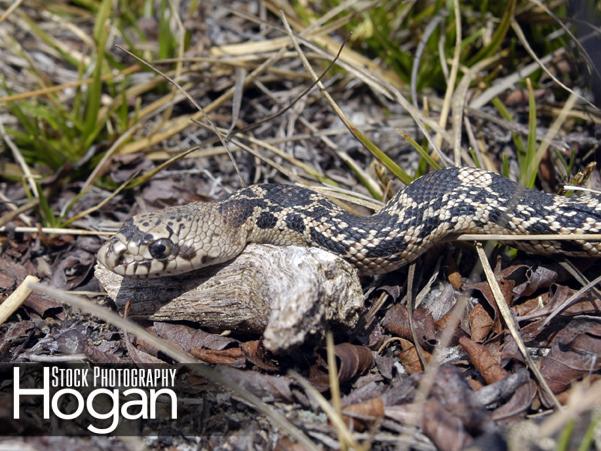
{"x": 72, "y": 269}
{"x": 575, "y": 352}
{"x": 231, "y": 357}
{"x": 363, "y": 415}
{"x": 139, "y": 354}
{"x": 481, "y": 323}
{"x": 444, "y": 429}
{"x": 189, "y": 338}
{"x": 538, "y": 279}
{"x": 396, "y": 321}
{"x": 353, "y": 360}
{"x": 409, "y": 357}
{"x": 261, "y": 385}
{"x": 518, "y": 403}
{"x": 487, "y": 364}
{"x": 256, "y": 354}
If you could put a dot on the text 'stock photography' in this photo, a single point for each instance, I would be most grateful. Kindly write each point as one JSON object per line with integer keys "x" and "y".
{"x": 79, "y": 399}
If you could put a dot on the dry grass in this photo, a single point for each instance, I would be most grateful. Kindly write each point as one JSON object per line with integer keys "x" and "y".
{"x": 277, "y": 96}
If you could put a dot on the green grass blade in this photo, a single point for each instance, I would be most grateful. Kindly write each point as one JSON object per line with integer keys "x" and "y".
{"x": 421, "y": 151}
{"x": 529, "y": 167}
{"x": 48, "y": 217}
{"x": 388, "y": 162}
{"x": 517, "y": 139}
{"x": 101, "y": 32}
{"x": 498, "y": 36}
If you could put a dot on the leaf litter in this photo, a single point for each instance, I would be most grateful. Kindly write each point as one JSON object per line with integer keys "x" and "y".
{"x": 481, "y": 388}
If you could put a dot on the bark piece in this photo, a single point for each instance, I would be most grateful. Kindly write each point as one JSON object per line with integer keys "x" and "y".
{"x": 287, "y": 293}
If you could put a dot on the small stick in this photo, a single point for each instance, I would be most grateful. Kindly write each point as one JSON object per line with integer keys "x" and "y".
{"x": 14, "y": 301}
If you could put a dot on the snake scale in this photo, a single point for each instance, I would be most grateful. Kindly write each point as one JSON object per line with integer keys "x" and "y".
{"x": 436, "y": 207}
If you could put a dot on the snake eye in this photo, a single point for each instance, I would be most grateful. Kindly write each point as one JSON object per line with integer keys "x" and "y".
{"x": 161, "y": 249}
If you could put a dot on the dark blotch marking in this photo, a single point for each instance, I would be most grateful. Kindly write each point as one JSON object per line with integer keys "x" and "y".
{"x": 288, "y": 196}
{"x": 497, "y": 216}
{"x": 131, "y": 232}
{"x": 266, "y": 220}
{"x": 328, "y": 243}
{"x": 387, "y": 248}
{"x": 319, "y": 212}
{"x": 237, "y": 211}
{"x": 505, "y": 187}
{"x": 463, "y": 210}
{"x": 295, "y": 222}
{"x": 571, "y": 246}
{"x": 433, "y": 185}
{"x": 539, "y": 227}
{"x": 206, "y": 260}
{"x": 324, "y": 203}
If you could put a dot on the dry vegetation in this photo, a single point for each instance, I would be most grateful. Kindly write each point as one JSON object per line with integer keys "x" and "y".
{"x": 109, "y": 108}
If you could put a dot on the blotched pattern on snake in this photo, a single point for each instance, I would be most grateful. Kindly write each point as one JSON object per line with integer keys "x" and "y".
{"x": 436, "y": 207}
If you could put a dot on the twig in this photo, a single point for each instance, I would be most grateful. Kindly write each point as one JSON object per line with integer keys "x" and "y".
{"x": 215, "y": 375}
{"x": 54, "y": 231}
{"x": 192, "y": 101}
{"x": 17, "y": 297}
{"x": 565, "y": 304}
{"x": 446, "y": 104}
{"x": 511, "y": 324}
{"x": 20, "y": 160}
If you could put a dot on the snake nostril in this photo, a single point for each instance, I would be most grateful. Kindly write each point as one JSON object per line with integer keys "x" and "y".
{"x": 119, "y": 258}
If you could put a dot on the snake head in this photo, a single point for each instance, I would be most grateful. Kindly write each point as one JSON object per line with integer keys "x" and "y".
{"x": 172, "y": 241}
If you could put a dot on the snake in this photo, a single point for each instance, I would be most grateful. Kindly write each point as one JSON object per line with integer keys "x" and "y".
{"x": 435, "y": 208}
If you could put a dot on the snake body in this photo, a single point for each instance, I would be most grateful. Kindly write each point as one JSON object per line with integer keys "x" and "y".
{"x": 436, "y": 207}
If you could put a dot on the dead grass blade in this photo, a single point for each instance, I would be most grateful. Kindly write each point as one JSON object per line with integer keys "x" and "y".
{"x": 240, "y": 75}
{"x": 334, "y": 384}
{"x": 17, "y": 211}
{"x": 10, "y": 10}
{"x": 584, "y": 397}
{"x": 296, "y": 99}
{"x": 212, "y": 374}
{"x": 371, "y": 76}
{"x": 458, "y": 102}
{"x": 446, "y": 104}
{"x": 533, "y": 237}
{"x": 16, "y": 298}
{"x": 193, "y": 103}
{"x": 565, "y": 304}
{"x": 364, "y": 140}
{"x": 550, "y": 135}
{"x": 508, "y": 82}
{"x": 410, "y": 308}
{"x": 512, "y": 326}
{"x": 56, "y": 231}
{"x": 21, "y": 161}
{"x": 330, "y": 411}
{"x": 430, "y": 28}
{"x": 524, "y": 41}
